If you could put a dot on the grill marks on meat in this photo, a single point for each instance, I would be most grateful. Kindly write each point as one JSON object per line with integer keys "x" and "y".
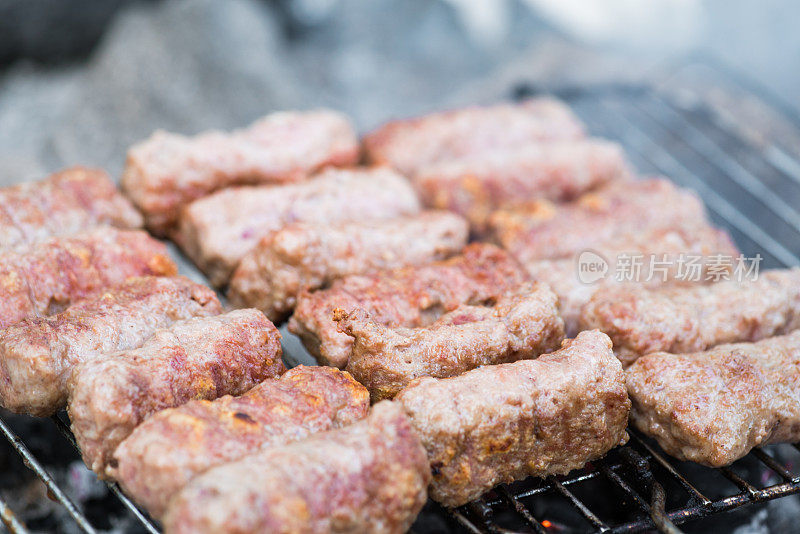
{"x": 505, "y": 422}
{"x": 544, "y": 231}
{"x": 37, "y": 355}
{"x": 369, "y": 477}
{"x": 413, "y": 144}
{"x": 49, "y": 276}
{"x": 168, "y": 171}
{"x": 408, "y": 296}
{"x": 217, "y": 231}
{"x": 172, "y": 447}
{"x": 198, "y": 358}
{"x": 662, "y": 245}
{"x": 713, "y": 407}
{"x": 310, "y": 256}
{"x": 478, "y": 184}
{"x": 694, "y": 318}
{"x": 523, "y": 324}
{"x": 64, "y": 203}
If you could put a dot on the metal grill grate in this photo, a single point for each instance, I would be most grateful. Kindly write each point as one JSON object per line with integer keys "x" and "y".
{"x": 750, "y": 188}
{"x": 637, "y": 475}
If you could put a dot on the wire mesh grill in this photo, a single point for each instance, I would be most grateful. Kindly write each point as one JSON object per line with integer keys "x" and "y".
{"x": 752, "y": 190}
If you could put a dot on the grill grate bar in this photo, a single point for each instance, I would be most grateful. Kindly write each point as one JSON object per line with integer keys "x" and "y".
{"x": 548, "y": 487}
{"x": 663, "y": 462}
{"x": 463, "y": 521}
{"x": 739, "y": 481}
{"x": 770, "y": 462}
{"x": 129, "y": 504}
{"x": 520, "y": 508}
{"x": 655, "y": 509}
{"x": 783, "y": 161}
{"x": 33, "y": 464}
{"x": 11, "y": 522}
{"x": 645, "y": 144}
{"x": 626, "y": 489}
{"x": 577, "y": 503}
{"x": 698, "y": 141}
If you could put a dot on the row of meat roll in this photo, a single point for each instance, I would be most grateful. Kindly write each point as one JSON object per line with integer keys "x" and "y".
{"x": 143, "y": 357}
{"x": 485, "y": 362}
{"x": 391, "y": 294}
{"x": 209, "y": 192}
{"x": 523, "y": 176}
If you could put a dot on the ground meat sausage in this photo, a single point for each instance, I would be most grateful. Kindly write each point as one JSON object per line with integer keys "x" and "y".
{"x": 53, "y": 274}
{"x": 691, "y": 318}
{"x": 198, "y": 358}
{"x": 408, "y": 296}
{"x": 167, "y": 171}
{"x": 37, "y": 355}
{"x": 501, "y": 423}
{"x": 713, "y": 407}
{"x": 523, "y": 324}
{"x": 311, "y": 256}
{"x": 370, "y": 477}
{"x": 219, "y": 230}
{"x": 173, "y": 446}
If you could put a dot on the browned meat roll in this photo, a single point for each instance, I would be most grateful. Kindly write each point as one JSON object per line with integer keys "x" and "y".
{"x": 542, "y": 230}
{"x": 64, "y": 203}
{"x": 310, "y": 256}
{"x": 408, "y": 296}
{"x": 478, "y": 184}
{"x": 659, "y": 252}
{"x": 369, "y": 478}
{"x": 173, "y": 446}
{"x": 696, "y": 317}
{"x": 198, "y": 358}
{"x": 37, "y": 356}
{"x": 49, "y": 276}
{"x": 168, "y": 171}
{"x": 501, "y": 423}
{"x": 217, "y": 231}
{"x": 713, "y": 407}
{"x": 523, "y": 324}
{"x": 413, "y": 144}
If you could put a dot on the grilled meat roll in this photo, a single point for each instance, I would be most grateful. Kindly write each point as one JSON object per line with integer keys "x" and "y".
{"x": 218, "y": 230}
{"x": 713, "y": 407}
{"x": 53, "y": 274}
{"x": 659, "y": 252}
{"x": 410, "y": 145}
{"x": 167, "y": 171}
{"x": 542, "y": 230}
{"x": 408, "y": 296}
{"x": 505, "y": 422}
{"x": 369, "y": 477}
{"x": 37, "y": 355}
{"x": 523, "y": 324}
{"x": 174, "y": 446}
{"x": 478, "y": 184}
{"x": 64, "y": 203}
{"x": 310, "y": 256}
{"x": 198, "y": 358}
{"x": 695, "y": 317}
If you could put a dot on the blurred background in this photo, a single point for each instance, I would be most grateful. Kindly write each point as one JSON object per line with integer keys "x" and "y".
{"x": 80, "y": 80}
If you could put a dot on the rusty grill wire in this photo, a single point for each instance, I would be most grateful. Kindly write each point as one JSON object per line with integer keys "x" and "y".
{"x": 750, "y": 190}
